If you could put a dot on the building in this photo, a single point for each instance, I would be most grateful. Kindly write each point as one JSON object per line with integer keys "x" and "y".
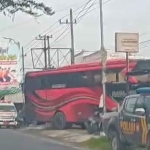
{"x": 87, "y": 56}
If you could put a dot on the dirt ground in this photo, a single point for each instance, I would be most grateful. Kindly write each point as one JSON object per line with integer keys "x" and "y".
{"x": 74, "y": 135}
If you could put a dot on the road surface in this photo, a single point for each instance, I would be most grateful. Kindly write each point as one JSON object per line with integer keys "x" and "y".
{"x": 14, "y": 140}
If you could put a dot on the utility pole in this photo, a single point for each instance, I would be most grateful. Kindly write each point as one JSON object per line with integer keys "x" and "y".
{"x": 103, "y": 56}
{"x": 44, "y": 38}
{"x": 58, "y": 58}
{"x": 45, "y": 54}
{"x": 72, "y": 34}
{"x": 49, "y": 54}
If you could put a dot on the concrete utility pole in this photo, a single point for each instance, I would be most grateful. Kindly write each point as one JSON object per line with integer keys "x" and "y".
{"x": 49, "y": 54}
{"x": 72, "y": 34}
{"x": 103, "y": 56}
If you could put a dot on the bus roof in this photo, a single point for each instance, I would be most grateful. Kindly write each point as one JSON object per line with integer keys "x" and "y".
{"x": 115, "y": 63}
{"x": 94, "y": 64}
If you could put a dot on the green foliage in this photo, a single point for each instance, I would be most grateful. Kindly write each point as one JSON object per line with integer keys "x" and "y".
{"x": 31, "y": 7}
{"x": 98, "y": 144}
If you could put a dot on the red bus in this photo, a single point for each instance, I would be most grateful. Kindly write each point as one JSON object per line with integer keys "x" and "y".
{"x": 68, "y": 95}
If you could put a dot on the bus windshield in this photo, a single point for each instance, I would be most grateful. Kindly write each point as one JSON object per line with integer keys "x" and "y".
{"x": 141, "y": 65}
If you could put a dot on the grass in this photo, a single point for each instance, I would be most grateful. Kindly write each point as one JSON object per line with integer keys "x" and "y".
{"x": 101, "y": 143}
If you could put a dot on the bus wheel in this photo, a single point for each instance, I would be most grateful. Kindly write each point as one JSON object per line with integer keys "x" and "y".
{"x": 59, "y": 121}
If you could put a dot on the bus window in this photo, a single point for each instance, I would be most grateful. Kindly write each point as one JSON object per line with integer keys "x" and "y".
{"x": 98, "y": 79}
{"x": 114, "y": 76}
{"x": 32, "y": 84}
{"x": 94, "y": 78}
{"x": 142, "y": 64}
{"x": 43, "y": 82}
{"x": 67, "y": 80}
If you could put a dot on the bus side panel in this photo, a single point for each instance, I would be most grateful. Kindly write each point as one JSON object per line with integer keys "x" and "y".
{"x": 72, "y": 102}
{"x": 76, "y": 103}
{"x": 80, "y": 110}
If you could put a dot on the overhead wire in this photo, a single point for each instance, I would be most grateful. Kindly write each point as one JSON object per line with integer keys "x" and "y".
{"x": 45, "y": 31}
{"x": 81, "y": 17}
{"x": 55, "y": 28}
{"x": 77, "y": 22}
{"x": 40, "y": 41}
{"x": 40, "y": 34}
{"x": 86, "y": 12}
{"x": 144, "y": 44}
{"x": 60, "y": 35}
{"x": 83, "y": 8}
{"x": 48, "y": 28}
{"x": 74, "y": 25}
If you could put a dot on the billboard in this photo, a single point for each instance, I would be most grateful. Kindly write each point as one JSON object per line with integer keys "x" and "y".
{"x": 10, "y": 71}
{"x": 127, "y": 42}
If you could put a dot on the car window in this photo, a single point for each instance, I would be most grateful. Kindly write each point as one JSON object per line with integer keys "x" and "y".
{"x": 140, "y": 102}
{"x": 130, "y": 104}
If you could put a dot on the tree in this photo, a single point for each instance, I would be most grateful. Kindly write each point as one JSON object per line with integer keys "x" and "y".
{"x": 31, "y": 7}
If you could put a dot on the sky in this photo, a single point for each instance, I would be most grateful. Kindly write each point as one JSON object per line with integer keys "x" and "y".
{"x": 119, "y": 16}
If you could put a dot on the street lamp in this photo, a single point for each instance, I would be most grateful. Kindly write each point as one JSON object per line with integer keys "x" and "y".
{"x": 103, "y": 53}
{"x": 10, "y": 39}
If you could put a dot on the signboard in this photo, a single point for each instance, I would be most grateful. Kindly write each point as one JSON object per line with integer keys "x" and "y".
{"x": 9, "y": 70}
{"x": 127, "y": 42}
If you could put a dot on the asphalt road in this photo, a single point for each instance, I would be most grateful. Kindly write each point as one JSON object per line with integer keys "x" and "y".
{"x": 14, "y": 140}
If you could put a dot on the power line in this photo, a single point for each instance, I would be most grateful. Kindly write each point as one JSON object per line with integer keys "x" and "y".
{"x": 147, "y": 41}
{"x": 94, "y": 8}
{"x": 48, "y": 28}
{"x": 54, "y": 25}
{"x": 40, "y": 34}
{"x": 87, "y": 12}
{"x": 80, "y": 18}
{"x": 60, "y": 35}
{"x": 83, "y": 8}
{"x": 46, "y": 33}
{"x": 78, "y": 21}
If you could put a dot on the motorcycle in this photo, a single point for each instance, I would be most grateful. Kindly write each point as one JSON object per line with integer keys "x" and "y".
{"x": 94, "y": 124}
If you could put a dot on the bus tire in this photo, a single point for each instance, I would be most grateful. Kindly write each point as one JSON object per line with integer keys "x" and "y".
{"x": 59, "y": 121}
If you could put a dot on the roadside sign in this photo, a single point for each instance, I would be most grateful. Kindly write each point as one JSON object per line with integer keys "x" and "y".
{"x": 127, "y": 42}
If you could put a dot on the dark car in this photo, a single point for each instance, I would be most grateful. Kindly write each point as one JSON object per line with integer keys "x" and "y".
{"x": 131, "y": 125}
